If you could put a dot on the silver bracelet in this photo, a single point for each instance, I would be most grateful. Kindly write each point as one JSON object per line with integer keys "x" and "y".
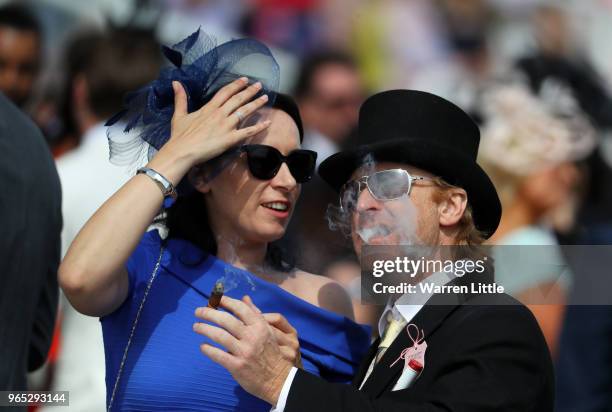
{"x": 164, "y": 184}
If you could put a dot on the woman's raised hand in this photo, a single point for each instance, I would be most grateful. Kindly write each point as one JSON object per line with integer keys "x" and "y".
{"x": 211, "y": 130}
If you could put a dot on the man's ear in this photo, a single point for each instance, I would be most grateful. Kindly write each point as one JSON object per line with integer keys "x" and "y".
{"x": 197, "y": 178}
{"x": 452, "y": 208}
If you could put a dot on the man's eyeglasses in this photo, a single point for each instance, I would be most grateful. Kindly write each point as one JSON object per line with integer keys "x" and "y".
{"x": 265, "y": 162}
{"x": 384, "y": 185}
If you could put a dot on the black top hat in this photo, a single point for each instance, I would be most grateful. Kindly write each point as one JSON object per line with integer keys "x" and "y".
{"x": 425, "y": 131}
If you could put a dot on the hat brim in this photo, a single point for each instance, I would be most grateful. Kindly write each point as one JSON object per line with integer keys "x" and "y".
{"x": 451, "y": 165}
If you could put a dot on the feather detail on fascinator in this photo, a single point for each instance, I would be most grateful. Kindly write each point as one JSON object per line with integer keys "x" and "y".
{"x": 138, "y": 131}
{"x": 523, "y": 133}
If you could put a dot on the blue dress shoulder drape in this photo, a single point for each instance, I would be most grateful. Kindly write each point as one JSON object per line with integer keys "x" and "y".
{"x": 165, "y": 370}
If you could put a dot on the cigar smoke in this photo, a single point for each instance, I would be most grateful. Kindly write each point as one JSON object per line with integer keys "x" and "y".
{"x": 233, "y": 277}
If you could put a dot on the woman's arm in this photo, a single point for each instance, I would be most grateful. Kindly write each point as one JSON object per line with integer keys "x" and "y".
{"x": 549, "y": 310}
{"x": 93, "y": 274}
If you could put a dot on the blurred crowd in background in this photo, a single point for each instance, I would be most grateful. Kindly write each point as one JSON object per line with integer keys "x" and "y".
{"x": 535, "y": 74}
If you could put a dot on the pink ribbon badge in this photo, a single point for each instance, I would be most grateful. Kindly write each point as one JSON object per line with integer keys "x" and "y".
{"x": 417, "y": 350}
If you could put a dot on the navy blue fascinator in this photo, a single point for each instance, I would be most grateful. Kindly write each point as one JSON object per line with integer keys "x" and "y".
{"x": 138, "y": 131}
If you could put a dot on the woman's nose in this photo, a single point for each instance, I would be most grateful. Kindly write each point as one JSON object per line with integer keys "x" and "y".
{"x": 284, "y": 179}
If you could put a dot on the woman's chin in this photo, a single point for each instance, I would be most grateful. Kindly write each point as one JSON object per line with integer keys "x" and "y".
{"x": 270, "y": 233}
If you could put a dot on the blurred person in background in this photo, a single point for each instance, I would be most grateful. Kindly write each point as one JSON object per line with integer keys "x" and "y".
{"x": 30, "y": 213}
{"x": 64, "y": 129}
{"x": 102, "y": 68}
{"x": 557, "y": 63}
{"x": 329, "y": 91}
{"x": 292, "y": 25}
{"x": 529, "y": 146}
{"x": 392, "y": 40}
{"x": 20, "y": 53}
{"x": 220, "y": 17}
{"x": 116, "y": 62}
{"x": 471, "y": 61}
{"x": 552, "y": 33}
{"x": 583, "y": 377}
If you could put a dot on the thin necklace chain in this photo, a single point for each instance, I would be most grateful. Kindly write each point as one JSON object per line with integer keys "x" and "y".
{"x": 129, "y": 342}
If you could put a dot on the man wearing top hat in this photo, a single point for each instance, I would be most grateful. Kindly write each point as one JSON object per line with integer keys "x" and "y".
{"x": 484, "y": 352}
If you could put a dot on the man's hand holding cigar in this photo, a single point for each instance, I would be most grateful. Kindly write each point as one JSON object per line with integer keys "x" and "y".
{"x": 261, "y": 347}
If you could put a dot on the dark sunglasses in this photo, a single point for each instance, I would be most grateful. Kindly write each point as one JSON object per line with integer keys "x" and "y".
{"x": 265, "y": 162}
{"x": 384, "y": 185}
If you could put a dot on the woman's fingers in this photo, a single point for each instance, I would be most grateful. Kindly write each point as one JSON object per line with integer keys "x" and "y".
{"x": 248, "y": 109}
{"x": 227, "y": 91}
{"x": 246, "y": 132}
{"x": 180, "y": 99}
{"x": 211, "y": 130}
{"x": 241, "y": 98}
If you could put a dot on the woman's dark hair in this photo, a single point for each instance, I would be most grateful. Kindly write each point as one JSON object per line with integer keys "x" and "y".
{"x": 188, "y": 218}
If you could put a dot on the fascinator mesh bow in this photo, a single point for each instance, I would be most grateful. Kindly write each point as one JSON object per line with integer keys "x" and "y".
{"x": 138, "y": 131}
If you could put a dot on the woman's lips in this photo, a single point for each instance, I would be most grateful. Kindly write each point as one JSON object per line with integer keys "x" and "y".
{"x": 278, "y": 209}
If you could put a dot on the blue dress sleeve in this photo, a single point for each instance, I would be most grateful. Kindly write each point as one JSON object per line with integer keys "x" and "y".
{"x": 142, "y": 261}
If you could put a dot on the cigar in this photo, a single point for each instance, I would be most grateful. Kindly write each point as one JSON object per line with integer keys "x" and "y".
{"x": 216, "y": 295}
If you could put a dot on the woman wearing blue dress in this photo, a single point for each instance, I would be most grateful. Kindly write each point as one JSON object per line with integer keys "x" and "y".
{"x": 230, "y": 148}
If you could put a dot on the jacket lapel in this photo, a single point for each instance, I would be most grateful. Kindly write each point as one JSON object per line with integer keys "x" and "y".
{"x": 365, "y": 364}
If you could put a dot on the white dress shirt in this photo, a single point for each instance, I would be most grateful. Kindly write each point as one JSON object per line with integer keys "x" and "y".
{"x": 407, "y": 306}
{"x": 88, "y": 180}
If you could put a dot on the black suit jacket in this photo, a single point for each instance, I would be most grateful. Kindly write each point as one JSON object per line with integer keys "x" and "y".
{"x": 484, "y": 353}
{"x": 30, "y": 221}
